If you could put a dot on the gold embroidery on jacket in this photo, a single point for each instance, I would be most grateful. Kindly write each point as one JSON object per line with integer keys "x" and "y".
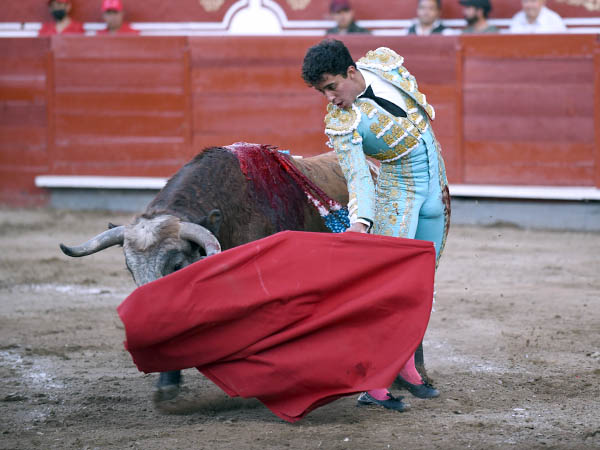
{"x": 385, "y": 57}
{"x": 339, "y": 119}
{"x": 367, "y": 108}
{"x": 407, "y": 176}
{"x": 378, "y": 128}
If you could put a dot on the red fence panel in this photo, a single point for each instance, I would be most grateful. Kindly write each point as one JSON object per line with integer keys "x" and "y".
{"x": 120, "y": 105}
{"x": 250, "y": 89}
{"x": 23, "y": 119}
{"x": 521, "y": 110}
{"x": 529, "y": 110}
{"x": 597, "y": 110}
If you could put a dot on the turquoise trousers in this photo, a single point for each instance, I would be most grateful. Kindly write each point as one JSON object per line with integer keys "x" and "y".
{"x": 412, "y": 199}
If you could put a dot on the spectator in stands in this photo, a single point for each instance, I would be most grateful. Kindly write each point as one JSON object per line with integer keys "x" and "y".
{"x": 112, "y": 12}
{"x": 476, "y": 14}
{"x": 63, "y": 24}
{"x": 343, "y": 14}
{"x": 536, "y": 18}
{"x": 428, "y": 18}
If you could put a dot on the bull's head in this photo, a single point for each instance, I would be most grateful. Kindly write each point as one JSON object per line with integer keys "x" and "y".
{"x": 155, "y": 247}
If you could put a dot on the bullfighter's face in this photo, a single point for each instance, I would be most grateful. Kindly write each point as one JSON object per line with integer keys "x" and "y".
{"x": 342, "y": 90}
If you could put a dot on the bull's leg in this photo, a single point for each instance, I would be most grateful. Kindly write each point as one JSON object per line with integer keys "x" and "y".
{"x": 167, "y": 387}
{"x": 420, "y": 364}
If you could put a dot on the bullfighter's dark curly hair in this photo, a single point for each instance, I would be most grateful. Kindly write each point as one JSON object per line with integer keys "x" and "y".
{"x": 329, "y": 56}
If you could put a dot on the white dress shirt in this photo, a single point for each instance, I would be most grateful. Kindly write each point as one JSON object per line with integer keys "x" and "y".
{"x": 384, "y": 89}
{"x": 547, "y": 21}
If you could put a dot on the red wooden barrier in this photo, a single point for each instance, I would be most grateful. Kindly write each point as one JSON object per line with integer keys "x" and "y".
{"x": 529, "y": 110}
{"x": 597, "y": 110}
{"x": 519, "y": 110}
{"x": 24, "y": 130}
{"x": 251, "y": 90}
{"x": 121, "y": 105}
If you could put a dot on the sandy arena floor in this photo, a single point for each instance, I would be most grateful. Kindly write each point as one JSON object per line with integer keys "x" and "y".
{"x": 514, "y": 345}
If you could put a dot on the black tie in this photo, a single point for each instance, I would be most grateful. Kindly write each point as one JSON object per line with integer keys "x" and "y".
{"x": 390, "y": 107}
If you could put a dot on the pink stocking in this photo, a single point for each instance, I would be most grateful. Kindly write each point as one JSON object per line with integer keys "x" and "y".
{"x": 379, "y": 394}
{"x": 409, "y": 372}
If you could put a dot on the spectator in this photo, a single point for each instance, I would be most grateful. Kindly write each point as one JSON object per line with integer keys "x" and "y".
{"x": 63, "y": 24}
{"x": 112, "y": 12}
{"x": 428, "y": 18}
{"x": 536, "y": 18}
{"x": 343, "y": 14}
{"x": 476, "y": 14}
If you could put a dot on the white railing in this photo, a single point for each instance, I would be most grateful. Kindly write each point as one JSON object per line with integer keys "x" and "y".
{"x": 568, "y": 193}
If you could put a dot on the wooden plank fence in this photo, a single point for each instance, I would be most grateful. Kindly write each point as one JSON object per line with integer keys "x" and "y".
{"x": 512, "y": 110}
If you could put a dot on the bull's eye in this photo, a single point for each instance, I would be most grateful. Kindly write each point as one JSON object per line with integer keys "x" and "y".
{"x": 177, "y": 266}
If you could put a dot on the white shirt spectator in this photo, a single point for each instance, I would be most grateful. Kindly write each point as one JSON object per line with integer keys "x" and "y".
{"x": 547, "y": 21}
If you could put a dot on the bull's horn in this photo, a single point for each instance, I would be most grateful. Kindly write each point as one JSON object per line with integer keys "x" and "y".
{"x": 104, "y": 240}
{"x": 201, "y": 236}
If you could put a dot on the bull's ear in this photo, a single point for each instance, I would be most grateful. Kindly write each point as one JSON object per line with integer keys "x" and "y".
{"x": 213, "y": 221}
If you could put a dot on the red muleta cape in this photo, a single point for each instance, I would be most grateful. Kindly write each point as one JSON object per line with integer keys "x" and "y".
{"x": 296, "y": 319}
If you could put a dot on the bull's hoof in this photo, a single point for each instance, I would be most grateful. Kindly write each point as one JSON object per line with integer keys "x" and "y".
{"x": 167, "y": 386}
{"x": 166, "y": 393}
{"x": 172, "y": 400}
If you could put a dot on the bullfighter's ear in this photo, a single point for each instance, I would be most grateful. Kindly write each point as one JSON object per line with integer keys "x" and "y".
{"x": 214, "y": 220}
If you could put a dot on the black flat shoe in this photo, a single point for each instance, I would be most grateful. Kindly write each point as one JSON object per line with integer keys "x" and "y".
{"x": 392, "y": 402}
{"x": 424, "y": 390}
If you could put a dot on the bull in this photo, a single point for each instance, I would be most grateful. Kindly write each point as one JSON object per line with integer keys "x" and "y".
{"x": 210, "y": 205}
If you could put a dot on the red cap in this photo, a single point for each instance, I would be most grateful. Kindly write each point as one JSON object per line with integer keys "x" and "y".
{"x": 112, "y": 5}
{"x": 339, "y": 5}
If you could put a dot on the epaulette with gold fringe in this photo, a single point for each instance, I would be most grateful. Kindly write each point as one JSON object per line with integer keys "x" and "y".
{"x": 340, "y": 121}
